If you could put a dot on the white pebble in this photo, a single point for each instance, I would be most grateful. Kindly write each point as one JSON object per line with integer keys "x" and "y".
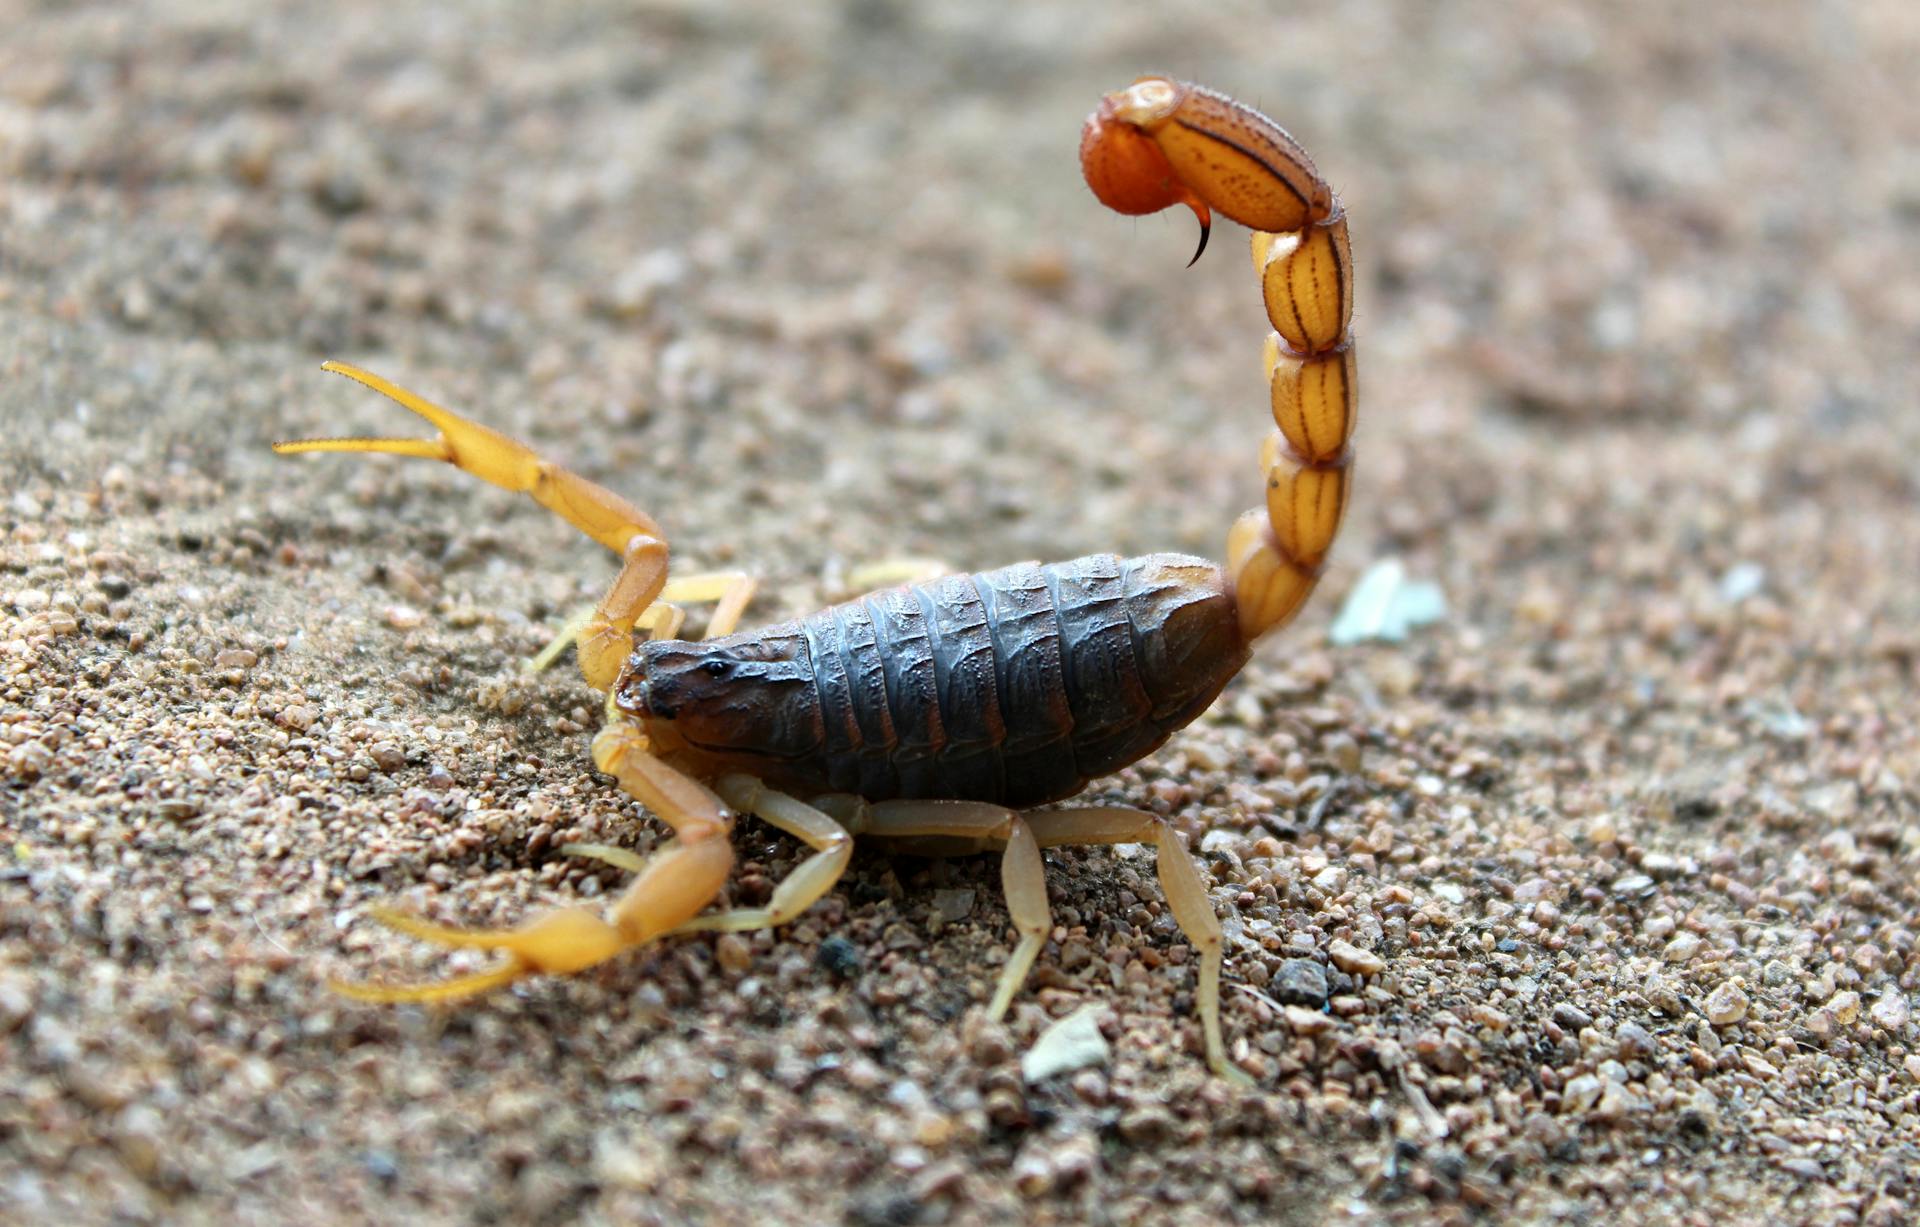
{"x": 1726, "y": 1005}
{"x": 1892, "y": 1011}
{"x": 1682, "y": 948}
{"x": 1072, "y": 1043}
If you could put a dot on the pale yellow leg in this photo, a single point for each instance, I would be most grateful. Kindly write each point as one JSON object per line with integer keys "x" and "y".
{"x": 569, "y": 631}
{"x": 1024, "y": 879}
{"x": 812, "y": 878}
{"x": 1186, "y": 895}
{"x": 733, "y": 590}
{"x": 608, "y": 854}
{"x": 596, "y": 511}
{"x": 661, "y": 621}
{"x": 1022, "y": 875}
{"x": 893, "y": 572}
{"x": 887, "y": 572}
{"x": 671, "y": 887}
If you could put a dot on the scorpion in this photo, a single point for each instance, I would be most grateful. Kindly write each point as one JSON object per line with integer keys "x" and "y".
{"x": 942, "y": 713}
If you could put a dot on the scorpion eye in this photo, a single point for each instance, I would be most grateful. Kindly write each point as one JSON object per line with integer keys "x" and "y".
{"x": 717, "y": 668}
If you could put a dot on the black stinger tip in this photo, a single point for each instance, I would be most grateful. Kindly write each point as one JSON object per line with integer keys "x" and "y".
{"x": 1206, "y": 228}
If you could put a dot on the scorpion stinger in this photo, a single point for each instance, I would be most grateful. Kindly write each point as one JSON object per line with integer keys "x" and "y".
{"x": 1206, "y": 231}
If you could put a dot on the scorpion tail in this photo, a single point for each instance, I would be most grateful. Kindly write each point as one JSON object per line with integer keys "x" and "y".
{"x": 1161, "y": 142}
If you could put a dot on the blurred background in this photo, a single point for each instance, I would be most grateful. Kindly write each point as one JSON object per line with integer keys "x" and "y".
{"x": 819, "y": 285}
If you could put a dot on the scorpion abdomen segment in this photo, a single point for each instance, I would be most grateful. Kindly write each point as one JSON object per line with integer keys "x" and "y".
{"x": 850, "y": 687}
{"x": 1015, "y": 686}
{"x": 912, "y": 695}
{"x": 1024, "y": 628}
{"x": 967, "y": 678}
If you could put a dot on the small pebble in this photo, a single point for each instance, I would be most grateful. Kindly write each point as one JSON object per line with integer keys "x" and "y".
{"x": 1635, "y": 1042}
{"x": 1892, "y": 1011}
{"x": 1302, "y": 1021}
{"x": 1343, "y": 750}
{"x": 1074, "y": 1042}
{"x": 1353, "y": 960}
{"x": 1845, "y": 1007}
{"x": 380, "y": 1165}
{"x": 1617, "y": 1101}
{"x": 1682, "y": 948}
{"x": 733, "y": 953}
{"x": 838, "y": 957}
{"x": 1726, "y": 1005}
{"x": 1632, "y": 886}
{"x": 1662, "y": 867}
{"x": 952, "y": 906}
{"x": 1741, "y": 581}
{"x": 1662, "y": 996}
{"x": 1580, "y": 1094}
{"x": 1146, "y": 1125}
{"x": 16, "y": 1000}
{"x": 1299, "y": 982}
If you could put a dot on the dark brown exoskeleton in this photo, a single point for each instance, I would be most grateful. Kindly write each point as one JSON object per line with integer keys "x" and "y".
{"x": 1015, "y": 686}
{"x": 938, "y": 712}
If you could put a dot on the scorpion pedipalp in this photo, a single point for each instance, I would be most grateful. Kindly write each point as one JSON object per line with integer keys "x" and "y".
{"x": 603, "y": 643}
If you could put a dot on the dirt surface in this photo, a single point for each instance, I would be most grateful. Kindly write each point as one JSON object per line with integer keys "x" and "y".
{"x": 1595, "y": 902}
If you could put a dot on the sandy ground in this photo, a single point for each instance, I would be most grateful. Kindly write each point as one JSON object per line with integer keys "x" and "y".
{"x": 1625, "y": 850}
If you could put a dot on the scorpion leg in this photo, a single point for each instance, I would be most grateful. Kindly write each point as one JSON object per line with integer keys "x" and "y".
{"x": 732, "y": 590}
{"x": 892, "y": 573}
{"x": 1185, "y": 889}
{"x": 673, "y": 885}
{"x": 832, "y": 848}
{"x": 1024, "y": 835}
{"x": 1022, "y": 875}
{"x": 596, "y": 511}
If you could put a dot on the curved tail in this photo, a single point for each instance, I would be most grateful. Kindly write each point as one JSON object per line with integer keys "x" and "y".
{"x": 1161, "y": 142}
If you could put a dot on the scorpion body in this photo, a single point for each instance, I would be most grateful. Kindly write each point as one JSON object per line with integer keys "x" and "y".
{"x": 1015, "y": 686}
{"x": 934, "y": 714}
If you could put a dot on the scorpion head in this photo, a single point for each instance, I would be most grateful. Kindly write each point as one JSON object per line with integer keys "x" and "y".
{"x": 744, "y": 694}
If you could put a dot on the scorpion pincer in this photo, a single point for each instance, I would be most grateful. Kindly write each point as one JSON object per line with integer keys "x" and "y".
{"x": 942, "y": 713}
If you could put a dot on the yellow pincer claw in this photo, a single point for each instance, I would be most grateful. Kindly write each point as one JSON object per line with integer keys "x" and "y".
{"x": 562, "y": 941}
{"x": 441, "y": 990}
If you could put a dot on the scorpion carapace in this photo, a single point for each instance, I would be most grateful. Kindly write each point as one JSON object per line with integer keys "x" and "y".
{"x": 934, "y": 713}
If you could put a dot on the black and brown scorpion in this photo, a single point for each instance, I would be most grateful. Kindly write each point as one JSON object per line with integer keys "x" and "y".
{"x": 942, "y": 712}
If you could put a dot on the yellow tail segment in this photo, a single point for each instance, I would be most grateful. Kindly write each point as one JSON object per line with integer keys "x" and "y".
{"x": 1159, "y": 143}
